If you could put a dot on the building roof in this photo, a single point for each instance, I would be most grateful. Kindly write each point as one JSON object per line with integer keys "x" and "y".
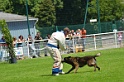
{"x": 8, "y": 17}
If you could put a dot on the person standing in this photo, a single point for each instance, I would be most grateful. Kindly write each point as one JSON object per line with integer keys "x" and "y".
{"x": 56, "y": 42}
{"x": 20, "y": 41}
{"x": 37, "y": 43}
{"x": 29, "y": 43}
{"x": 2, "y": 39}
{"x": 14, "y": 42}
{"x": 120, "y": 39}
{"x": 83, "y": 36}
{"x": 29, "y": 39}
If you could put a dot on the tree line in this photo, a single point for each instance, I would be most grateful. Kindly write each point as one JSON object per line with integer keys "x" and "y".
{"x": 65, "y": 12}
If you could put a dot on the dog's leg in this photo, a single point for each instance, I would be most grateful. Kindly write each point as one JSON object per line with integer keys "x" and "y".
{"x": 92, "y": 62}
{"x": 95, "y": 66}
{"x": 98, "y": 67}
{"x": 76, "y": 68}
{"x": 73, "y": 67}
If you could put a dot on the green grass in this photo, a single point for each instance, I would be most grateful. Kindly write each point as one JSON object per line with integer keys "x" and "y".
{"x": 39, "y": 69}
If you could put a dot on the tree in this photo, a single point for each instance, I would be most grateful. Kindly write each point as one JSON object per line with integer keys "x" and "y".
{"x": 58, "y": 4}
{"x": 72, "y": 13}
{"x": 65, "y": 12}
{"x": 9, "y": 40}
{"x": 45, "y": 12}
{"x": 5, "y": 5}
{"x": 109, "y": 10}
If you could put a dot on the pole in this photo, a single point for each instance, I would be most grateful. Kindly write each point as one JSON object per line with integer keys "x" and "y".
{"x": 56, "y": 28}
{"x": 98, "y": 11}
{"x": 85, "y": 14}
{"x": 27, "y": 16}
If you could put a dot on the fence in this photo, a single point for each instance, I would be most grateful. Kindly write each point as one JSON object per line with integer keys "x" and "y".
{"x": 3, "y": 51}
{"x": 24, "y": 50}
{"x": 92, "y": 28}
{"x": 93, "y": 42}
{"x": 103, "y": 41}
{"x": 96, "y": 42}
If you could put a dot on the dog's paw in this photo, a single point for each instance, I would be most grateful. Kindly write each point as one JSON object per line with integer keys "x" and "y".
{"x": 66, "y": 73}
{"x": 99, "y": 69}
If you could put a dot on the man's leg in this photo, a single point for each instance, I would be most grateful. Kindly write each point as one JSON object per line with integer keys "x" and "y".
{"x": 38, "y": 50}
{"x": 36, "y": 47}
{"x": 60, "y": 69}
{"x": 57, "y": 66}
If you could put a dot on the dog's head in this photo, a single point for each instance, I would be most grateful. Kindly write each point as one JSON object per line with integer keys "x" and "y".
{"x": 68, "y": 59}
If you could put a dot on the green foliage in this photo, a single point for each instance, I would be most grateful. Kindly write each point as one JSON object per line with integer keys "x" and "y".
{"x": 39, "y": 69}
{"x": 109, "y": 9}
{"x": 58, "y": 4}
{"x": 8, "y": 38}
{"x": 45, "y": 11}
{"x": 72, "y": 13}
{"x": 65, "y": 12}
{"x": 5, "y": 5}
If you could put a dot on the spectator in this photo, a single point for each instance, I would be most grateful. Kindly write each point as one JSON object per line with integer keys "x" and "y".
{"x": 20, "y": 41}
{"x": 69, "y": 36}
{"x": 69, "y": 42}
{"x": 2, "y": 39}
{"x": 37, "y": 37}
{"x": 37, "y": 43}
{"x": 14, "y": 41}
{"x": 48, "y": 36}
{"x": 83, "y": 36}
{"x": 77, "y": 36}
{"x": 29, "y": 39}
{"x": 72, "y": 32}
{"x": 120, "y": 39}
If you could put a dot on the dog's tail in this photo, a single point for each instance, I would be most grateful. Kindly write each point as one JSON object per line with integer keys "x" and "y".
{"x": 97, "y": 55}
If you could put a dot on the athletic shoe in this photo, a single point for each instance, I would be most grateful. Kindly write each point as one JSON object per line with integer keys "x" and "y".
{"x": 62, "y": 72}
{"x": 57, "y": 74}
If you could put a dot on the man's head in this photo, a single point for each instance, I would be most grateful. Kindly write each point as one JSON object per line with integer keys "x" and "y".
{"x": 66, "y": 31}
{"x": 38, "y": 33}
{"x": 83, "y": 28}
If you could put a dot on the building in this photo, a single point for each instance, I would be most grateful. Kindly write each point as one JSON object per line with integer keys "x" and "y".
{"x": 17, "y": 24}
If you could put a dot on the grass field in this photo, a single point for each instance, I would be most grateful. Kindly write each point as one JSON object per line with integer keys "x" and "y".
{"x": 39, "y": 69}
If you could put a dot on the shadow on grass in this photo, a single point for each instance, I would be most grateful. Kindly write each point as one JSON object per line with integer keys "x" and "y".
{"x": 85, "y": 71}
{"x": 80, "y": 72}
{"x": 53, "y": 75}
{"x": 46, "y": 75}
{"x": 67, "y": 74}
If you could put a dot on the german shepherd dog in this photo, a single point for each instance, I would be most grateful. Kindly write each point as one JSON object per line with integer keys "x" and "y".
{"x": 77, "y": 62}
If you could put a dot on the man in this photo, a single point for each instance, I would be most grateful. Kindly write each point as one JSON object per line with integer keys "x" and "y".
{"x": 83, "y": 36}
{"x": 56, "y": 42}
{"x": 2, "y": 39}
{"x": 37, "y": 43}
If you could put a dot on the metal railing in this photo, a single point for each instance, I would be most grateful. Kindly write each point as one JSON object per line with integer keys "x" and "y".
{"x": 3, "y": 52}
{"x": 93, "y": 42}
